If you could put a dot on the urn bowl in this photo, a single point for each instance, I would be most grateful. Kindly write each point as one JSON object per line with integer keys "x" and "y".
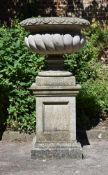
{"x": 55, "y": 35}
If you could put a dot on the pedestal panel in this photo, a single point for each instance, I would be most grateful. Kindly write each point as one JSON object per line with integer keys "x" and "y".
{"x": 56, "y": 119}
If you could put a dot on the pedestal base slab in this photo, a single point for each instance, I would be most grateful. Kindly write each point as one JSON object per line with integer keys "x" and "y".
{"x": 57, "y": 151}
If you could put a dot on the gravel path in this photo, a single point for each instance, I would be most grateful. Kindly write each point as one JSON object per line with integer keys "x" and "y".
{"x": 15, "y": 160}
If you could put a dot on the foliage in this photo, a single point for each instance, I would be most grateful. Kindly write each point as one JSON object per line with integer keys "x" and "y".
{"x": 85, "y": 64}
{"x": 18, "y": 68}
{"x": 92, "y": 103}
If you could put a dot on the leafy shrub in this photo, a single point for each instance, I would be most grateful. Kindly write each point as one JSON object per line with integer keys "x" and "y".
{"x": 18, "y": 69}
{"x": 84, "y": 64}
{"x": 92, "y": 103}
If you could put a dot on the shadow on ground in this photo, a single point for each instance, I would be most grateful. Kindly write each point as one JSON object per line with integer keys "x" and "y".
{"x": 88, "y": 116}
{"x": 82, "y": 137}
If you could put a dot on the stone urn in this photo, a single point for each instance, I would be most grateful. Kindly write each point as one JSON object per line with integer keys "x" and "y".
{"x": 55, "y": 89}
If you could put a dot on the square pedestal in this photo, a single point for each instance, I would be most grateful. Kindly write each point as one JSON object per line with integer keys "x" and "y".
{"x": 56, "y": 118}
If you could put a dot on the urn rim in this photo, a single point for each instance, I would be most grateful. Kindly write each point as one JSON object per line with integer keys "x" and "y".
{"x": 43, "y": 24}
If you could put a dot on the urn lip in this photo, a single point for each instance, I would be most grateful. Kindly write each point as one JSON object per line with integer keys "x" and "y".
{"x": 51, "y": 24}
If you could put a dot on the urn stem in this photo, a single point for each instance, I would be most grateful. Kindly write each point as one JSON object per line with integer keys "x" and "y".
{"x": 55, "y": 62}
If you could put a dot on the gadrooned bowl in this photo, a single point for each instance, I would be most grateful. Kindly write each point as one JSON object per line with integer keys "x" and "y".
{"x": 55, "y": 35}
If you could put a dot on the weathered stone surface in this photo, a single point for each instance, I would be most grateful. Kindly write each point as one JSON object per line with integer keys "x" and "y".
{"x": 55, "y": 43}
{"x": 55, "y": 81}
{"x": 56, "y": 73}
{"x": 56, "y": 116}
{"x": 54, "y": 20}
{"x": 58, "y": 151}
{"x": 55, "y": 91}
{"x": 54, "y": 24}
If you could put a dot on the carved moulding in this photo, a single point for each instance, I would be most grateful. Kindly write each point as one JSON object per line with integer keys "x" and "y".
{"x": 55, "y": 43}
{"x": 55, "y": 35}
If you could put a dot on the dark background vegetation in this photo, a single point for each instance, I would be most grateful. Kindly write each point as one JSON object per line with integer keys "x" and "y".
{"x": 21, "y": 9}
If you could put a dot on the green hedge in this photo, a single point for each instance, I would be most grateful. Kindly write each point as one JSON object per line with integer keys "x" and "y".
{"x": 92, "y": 103}
{"x": 92, "y": 74}
{"x": 19, "y": 67}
